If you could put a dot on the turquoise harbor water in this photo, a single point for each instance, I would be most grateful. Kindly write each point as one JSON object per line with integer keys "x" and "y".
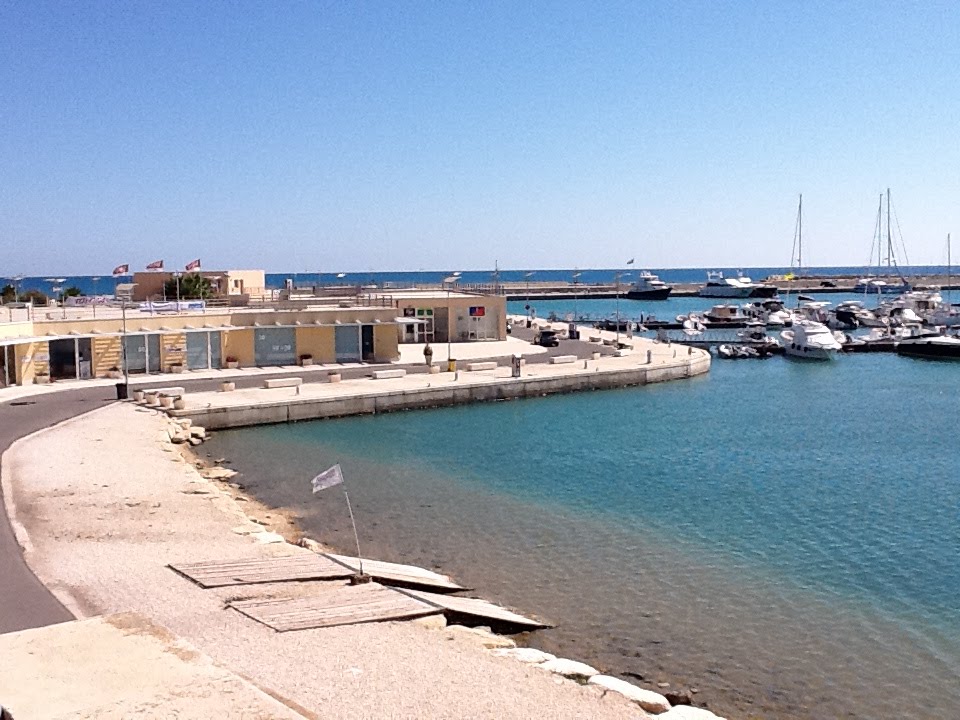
{"x": 783, "y": 536}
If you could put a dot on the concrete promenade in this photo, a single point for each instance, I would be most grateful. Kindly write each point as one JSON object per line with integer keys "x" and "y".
{"x": 647, "y": 362}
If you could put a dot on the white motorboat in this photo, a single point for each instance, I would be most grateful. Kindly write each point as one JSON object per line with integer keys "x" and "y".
{"x": 739, "y": 287}
{"x": 649, "y": 287}
{"x": 810, "y": 340}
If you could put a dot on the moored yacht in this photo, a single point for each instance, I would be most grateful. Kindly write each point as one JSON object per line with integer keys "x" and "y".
{"x": 810, "y": 340}
{"x": 739, "y": 287}
{"x": 941, "y": 347}
{"x": 649, "y": 287}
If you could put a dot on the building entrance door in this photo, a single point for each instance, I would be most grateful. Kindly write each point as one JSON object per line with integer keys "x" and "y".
{"x": 366, "y": 342}
{"x": 347, "y": 343}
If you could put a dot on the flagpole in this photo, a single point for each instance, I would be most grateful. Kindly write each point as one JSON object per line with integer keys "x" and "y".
{"x": 356, "y": 537}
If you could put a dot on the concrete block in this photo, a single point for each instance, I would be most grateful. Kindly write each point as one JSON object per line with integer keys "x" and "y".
{"x": 475, "y": 366}
{"x": 563, "y": 359}
{"x": 283, "y": 382}
{"x": 387, "y": 374}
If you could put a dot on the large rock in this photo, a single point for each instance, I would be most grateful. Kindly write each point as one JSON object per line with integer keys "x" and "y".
{"x": 688, "y": 712}
{"x": 267, "y": 538}
{"x": 569, "y": 668}
{"x": 647, "y": 699}
{"x": 525, "y": 654}
{"x": 198, "y": 432}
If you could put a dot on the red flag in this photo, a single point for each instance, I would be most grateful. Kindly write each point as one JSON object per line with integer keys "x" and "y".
{"x": 121, "y": 270}
{"x": 155, "y": 265}
{"x": 195, "y": 265}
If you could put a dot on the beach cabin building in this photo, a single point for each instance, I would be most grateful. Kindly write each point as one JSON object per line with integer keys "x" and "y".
{"x": 78, "y": 348}
{"x": 441, "y": 315}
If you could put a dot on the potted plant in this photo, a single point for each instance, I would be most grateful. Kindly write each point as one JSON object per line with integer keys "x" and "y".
{"x": 334, "y": 376}
{"x": 232, "y": 362}
{"x": 306, "y": 359}
{"x": 42, "y": 378}
{"x": 176, "y": 367}
{"x": 138, "y": 396}
{"x": 114, "y": 373}
{"x": 179, "y": 403}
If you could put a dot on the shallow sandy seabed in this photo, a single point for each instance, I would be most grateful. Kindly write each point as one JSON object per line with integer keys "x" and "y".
{"x": 107, "y": 504}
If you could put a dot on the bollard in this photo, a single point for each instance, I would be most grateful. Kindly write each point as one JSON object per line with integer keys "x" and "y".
{"x": 649, "y": 356}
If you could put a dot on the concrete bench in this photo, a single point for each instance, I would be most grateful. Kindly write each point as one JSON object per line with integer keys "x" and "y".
{"x": 164, "y": 392}
{"x": 388, "y": 374}
{"x": 563, "y": 359}
{"x": 283, "y": 382}
{"x": 596, "y": 338}
{"x": 473, "y": 367}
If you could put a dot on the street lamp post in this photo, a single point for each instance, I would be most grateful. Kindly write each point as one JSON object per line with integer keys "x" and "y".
{"x": 576, "y": 277}
{"x": 95, "y": 297}
{"x": 449, "y": 282}
{"x": 529, "y": 315}
{"x": 618, "y": 276}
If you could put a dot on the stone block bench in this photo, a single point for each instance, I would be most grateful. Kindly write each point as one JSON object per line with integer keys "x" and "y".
{"x": 283, "y": 382}
{"x": 475, "y": 366}
{"x": 388, "y": 374}
{"x": 563, "y": 359}
{"x": 596, "y": 338}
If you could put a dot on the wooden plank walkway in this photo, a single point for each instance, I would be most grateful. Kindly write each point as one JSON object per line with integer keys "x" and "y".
{"x": 393, "y": 573}
{"x": 347, "y": 605}
{"x": 475, "y": 608}
{"x": 302, "y": 566}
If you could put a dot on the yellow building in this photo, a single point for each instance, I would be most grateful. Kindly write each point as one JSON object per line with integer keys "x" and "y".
{"x": 224, "y": 283}
{"x": 439, "y": 315}
{"x": 44, "y": 350}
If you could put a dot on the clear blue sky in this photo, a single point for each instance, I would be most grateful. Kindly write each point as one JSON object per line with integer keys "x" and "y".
{"x": 356, "y": 136}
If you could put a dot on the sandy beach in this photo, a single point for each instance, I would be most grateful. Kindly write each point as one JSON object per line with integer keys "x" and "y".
{"x": 106, "y": 502}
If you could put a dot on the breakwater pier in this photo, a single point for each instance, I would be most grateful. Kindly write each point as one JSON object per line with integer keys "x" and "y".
{"x": 642, "y": 363}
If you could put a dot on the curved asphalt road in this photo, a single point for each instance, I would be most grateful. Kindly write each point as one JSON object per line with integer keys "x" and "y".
{"x": 24, "y": 601}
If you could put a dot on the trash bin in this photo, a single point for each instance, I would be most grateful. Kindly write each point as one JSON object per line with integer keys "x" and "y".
{"x": 451, "y": 365}
{"x": 121, "y": 391}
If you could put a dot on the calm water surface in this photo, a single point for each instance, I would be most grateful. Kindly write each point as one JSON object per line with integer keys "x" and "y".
{"x": 782, "y": 536}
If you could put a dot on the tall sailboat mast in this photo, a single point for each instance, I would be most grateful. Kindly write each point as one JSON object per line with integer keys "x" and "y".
{"x": 889, "y": 236}
{"x": 949, "y": 279}
{"x": 800, "y": 238}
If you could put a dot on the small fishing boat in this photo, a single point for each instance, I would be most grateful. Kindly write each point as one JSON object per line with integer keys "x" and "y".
{"x": 810, "y": 340}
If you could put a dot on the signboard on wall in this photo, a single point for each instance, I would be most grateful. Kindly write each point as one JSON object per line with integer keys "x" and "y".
{"x": 478, "y": 311}
{"x": 424, "y": 312}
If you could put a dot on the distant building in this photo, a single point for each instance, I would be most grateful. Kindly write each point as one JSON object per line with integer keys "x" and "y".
{"x": 236, "y": 284}
{"x": 439, "y": 315}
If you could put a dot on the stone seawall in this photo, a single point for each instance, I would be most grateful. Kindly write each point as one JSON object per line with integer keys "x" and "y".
{"x": 304, "y": 408}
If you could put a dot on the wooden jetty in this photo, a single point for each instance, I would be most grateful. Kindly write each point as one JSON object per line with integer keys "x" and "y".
{"x": 475, "y": 609}
{"x": 345, "y": 605}
{"x": 397, "y": 574}
{"x": 299, "y": 567}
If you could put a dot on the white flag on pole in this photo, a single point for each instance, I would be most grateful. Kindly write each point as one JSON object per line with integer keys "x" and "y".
{"x": 328, "y": 478}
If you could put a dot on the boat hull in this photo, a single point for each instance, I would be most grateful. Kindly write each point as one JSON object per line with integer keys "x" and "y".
{"x": 658, "y": 294}
{"x": 931, "y": 349}
{"x": 724, "y": 292}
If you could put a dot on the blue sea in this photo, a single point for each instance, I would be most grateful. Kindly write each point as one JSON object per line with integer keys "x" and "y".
{"x": 782, "y": 536}
{"x": 91, "y": 285}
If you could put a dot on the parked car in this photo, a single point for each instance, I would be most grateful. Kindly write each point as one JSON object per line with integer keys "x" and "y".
{"x": 547, "y": 338}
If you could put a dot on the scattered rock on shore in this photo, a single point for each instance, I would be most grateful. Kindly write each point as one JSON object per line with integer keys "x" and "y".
{"x": 688, "y": 712}
{"x": 484, "y": 637}
{"x": 647, "y": 699}
{"x": 569, "y": 668}
{"x": 525, "y": 654}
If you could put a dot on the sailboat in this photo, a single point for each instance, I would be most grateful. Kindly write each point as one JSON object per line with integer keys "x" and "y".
{"x": 887, "y": 284}
{"x": 948, "y": 314}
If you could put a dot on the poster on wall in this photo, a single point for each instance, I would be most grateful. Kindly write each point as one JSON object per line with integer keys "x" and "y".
{"x": 478, "y": 311}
